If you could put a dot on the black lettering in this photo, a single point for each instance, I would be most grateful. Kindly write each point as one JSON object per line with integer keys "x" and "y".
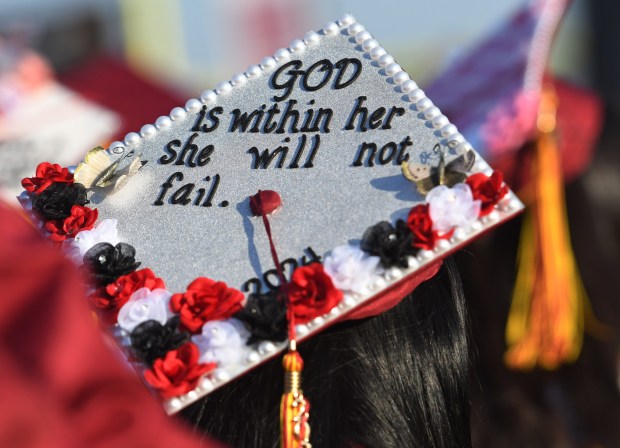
{"x": 289, "y": 112}
{"x": 315, "y": 148}
{"x": 256, "y": 127}
{"x": 201, "y": 116}
{"x": 269, "y": 126}
{"x": 342, "y": 65}
{"x": 360, "y": 155}
{"x": 395, "y": 111}
{"x": 199, "y": 196}
{"x": 172, "y": 153}
{"x": 322, "y": 114}
{"x": 314, "y": 258}
{"x": 205, "y": 155}
{"x": 375, "y": 118}
{"x": 402, "y": 157}
{"x": 387, "y": 153}
{"x": 167, "y": 186}
{"x": 325, "y": 66}
{"x": 252, "y": 282}
{"x": 358, "y": 110}
{"x": 287, "y": 86}
{"x": 264, "y": 159}
{"x": 212, "y": 116}
{"x": 243, "y": 120}
{"x": 299, "y": 152}
{"x": 182, "y": 195}
{"x": 215, "y": 183}
{"x": 191, "y": 148}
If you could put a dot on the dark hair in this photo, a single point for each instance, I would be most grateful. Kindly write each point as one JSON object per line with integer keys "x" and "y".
{"x": 399, "y": 379}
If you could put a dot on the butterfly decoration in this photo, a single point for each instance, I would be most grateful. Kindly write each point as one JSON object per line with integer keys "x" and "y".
{"x": 427, "y": 177}
{"x": 98, "y": 170}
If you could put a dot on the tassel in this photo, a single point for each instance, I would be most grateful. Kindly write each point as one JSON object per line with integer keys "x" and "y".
{"x": 546, "y": 321}
{"x": 294, "y": 407}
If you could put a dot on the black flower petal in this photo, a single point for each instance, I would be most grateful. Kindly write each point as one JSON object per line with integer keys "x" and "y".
{"x": 391, "y": 244}
{"x": 106, "y": 263}
{"x": 265, "y": 317}
{"x": 55, "y": 201}
{"x": 151, "y": 340}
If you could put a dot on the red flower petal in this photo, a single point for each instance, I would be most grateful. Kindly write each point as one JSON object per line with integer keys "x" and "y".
{"x": 488, "y": 190}
{"x": 46, "y": 174}
{"x": 311, "y": 292}
{"x": 421, "y": 225}
{"x": 205, "y": 300}
{"x": 178, "y": 372}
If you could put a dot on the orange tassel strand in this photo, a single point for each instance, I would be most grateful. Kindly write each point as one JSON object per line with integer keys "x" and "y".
{"x": 294, "y": 407}
{"x": 546, "y": 321}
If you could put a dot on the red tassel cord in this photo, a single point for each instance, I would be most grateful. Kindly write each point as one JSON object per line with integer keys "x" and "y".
{"x": 294, "y": 408}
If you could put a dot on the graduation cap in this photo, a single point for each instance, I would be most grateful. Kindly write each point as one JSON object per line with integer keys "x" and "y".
{"x": 540, "y": 131}
{"x": 318, "y": 186}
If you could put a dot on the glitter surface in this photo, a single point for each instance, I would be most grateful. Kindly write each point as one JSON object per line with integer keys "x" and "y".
{"x": 328, "y": 205}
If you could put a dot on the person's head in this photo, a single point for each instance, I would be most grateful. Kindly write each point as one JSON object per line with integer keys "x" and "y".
{"x": 397, "y": 379}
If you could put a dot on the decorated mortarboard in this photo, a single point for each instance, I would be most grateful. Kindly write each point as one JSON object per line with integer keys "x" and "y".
{"x": 318, "y": 186}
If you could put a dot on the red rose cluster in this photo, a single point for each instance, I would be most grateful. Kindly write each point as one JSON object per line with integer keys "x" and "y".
{"x": 78, "y": 217}
{"x": 110, "y": 298}
{"x": 178, "y": 372}
{"x": 46, "y": 175}
{"x": 421, "y": 225}
{"x": 489, "y": 190}
{"x": 205, "y": 300}
{"x": 311, "y": 293}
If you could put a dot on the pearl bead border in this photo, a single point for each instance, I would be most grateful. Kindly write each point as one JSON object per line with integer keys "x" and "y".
{"x": 433, "y": 117}
{"x": 419, "y": 102}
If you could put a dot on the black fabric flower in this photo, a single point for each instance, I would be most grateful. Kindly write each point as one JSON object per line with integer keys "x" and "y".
{"x": 391, "y": 244}
{"x": 106, "y": 263}
{"x": 55, "y": 201}
{"x": 265, "y": 317}
{"x": 151, "y": 340}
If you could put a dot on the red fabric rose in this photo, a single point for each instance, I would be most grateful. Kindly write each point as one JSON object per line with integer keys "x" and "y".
{"x": 46, "y": 174}
{"x": 421, "y": 225}
{"x": 178, "y": 372}
{"x": 311, "y": 292}
{"x": 81, "y": 218}
{"x": 489, "y": 190}
{"x": 116, "y": 294}
{"x": 205, "y": 300}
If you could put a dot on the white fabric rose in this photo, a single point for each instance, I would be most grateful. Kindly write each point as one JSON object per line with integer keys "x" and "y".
{"x": 105, "y": 232}
{"x": 352, "y": 269}
{"x": 222, "y": 341}
{"x": 144, "y": 305}
{"x": 452, "y": 207}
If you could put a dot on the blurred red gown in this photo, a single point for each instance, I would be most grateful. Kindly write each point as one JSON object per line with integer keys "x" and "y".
{"x": 60, "y": 385}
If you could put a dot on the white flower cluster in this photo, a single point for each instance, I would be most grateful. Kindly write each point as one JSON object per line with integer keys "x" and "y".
{"x": 351, "y": 269}
{"x": 222, "y": 341}
{"x": 143, "y": 305}
{"x": 452, "y": 207}
{"x": 105, "y": 232}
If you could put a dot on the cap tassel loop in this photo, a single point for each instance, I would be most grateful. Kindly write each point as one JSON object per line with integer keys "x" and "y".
{"x": 546, "y": 321}
{"x": 294, "y": 408}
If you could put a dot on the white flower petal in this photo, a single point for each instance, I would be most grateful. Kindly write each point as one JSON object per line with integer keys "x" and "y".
{"x": 351, "y": 269}
{"x": 452, "y": 207}
{"x": 105, "y": 232}
{"x": 222, "y": 342}
{"x": 144, "y": 305}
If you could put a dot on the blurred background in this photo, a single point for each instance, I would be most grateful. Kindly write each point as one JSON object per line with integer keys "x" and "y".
{"x": 77, "y": 73}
